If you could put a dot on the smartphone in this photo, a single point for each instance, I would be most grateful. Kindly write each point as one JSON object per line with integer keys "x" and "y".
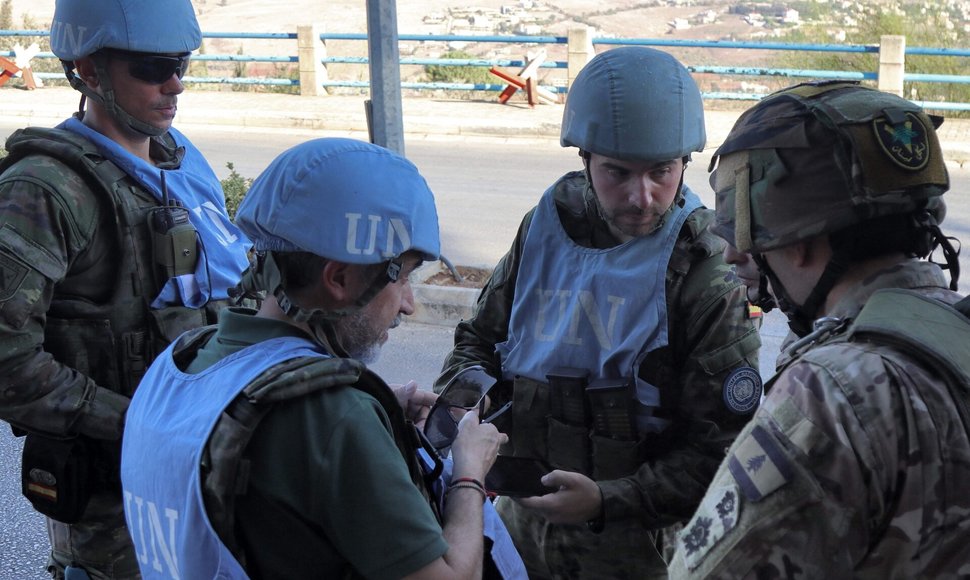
{"x": 517, "y": 477}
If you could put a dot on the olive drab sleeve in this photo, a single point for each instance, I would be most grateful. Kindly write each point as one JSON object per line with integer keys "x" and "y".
{"x": 50, "y": 221}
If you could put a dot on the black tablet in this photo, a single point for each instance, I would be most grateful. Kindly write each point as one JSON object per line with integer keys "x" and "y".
{"x": 517, "y": 477}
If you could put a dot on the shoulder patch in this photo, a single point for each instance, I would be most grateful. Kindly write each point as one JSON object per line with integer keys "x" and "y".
{"x": 742, "y": 390}
{"x": 759, "y": 464}
{"x": 12, "y": 274}
{"x": 714, "y": 518}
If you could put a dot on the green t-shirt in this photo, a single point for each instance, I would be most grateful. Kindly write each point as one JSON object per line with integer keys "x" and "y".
{"x": 328, "y": 490}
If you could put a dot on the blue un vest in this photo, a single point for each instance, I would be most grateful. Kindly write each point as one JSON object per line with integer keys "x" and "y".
{"x": 166, "y": 517}
{"x": 197, "y": 189}
{"x": 175, "y": 413}
{"x": 601, "y": 310}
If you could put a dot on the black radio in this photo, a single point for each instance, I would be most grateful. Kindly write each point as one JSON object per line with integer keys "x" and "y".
{"x": 174, "y": 238}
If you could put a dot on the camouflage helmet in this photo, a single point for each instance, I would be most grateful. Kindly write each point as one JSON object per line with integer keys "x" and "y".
{"x": 820, "y": 157}
{"x": 634, "y": 103}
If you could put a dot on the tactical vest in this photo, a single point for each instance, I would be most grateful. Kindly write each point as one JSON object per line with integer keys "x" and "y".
{"x": 224, "y": 466}
{"x": 112, "y": 342}
{"x": 934, "y": 333}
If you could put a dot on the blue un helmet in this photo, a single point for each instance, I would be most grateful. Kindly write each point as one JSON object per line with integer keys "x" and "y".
{"x": 343, "y": 200}
{"x": 82, "y": 28}
{"x": 634, "y": 103}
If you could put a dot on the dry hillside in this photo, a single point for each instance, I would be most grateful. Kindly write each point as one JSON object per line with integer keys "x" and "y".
{"x": 617, "y": 18}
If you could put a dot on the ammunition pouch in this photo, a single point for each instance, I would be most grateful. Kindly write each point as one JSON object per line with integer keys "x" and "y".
{"x": 545, "y": 428}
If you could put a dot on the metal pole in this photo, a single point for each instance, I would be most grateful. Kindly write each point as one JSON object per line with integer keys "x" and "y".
{"x": 387, "y": 128}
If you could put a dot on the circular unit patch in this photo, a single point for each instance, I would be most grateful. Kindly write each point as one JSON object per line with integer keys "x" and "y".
{"x": 905, "y": 143}
{"x": 742, "y": 390}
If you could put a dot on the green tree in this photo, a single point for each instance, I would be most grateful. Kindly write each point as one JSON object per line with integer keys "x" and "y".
{"x": 438, "y": 73}
{"x": 921, "y": 27}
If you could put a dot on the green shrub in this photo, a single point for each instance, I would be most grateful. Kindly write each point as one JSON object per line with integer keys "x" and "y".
{"x": 438, "y": 73}
{"x": 234, "y": 188}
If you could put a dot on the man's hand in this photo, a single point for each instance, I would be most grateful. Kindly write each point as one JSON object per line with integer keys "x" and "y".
{"x": 577, "y": 500}
{"x": 415, "y": 402}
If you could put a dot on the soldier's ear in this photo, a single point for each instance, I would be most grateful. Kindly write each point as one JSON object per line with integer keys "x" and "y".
{"x": 87, "y": 72}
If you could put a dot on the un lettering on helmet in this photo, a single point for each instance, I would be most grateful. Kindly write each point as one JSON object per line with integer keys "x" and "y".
{"x": 344, "y": 200}
{"x": 82, "y": 27}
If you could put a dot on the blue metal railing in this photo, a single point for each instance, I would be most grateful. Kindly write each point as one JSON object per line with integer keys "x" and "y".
{"x": 764, "y": 72}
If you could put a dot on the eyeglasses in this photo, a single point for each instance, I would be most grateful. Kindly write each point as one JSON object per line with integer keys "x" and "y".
{"x": 465, "y": 391}
{"x": 153, "y": 68}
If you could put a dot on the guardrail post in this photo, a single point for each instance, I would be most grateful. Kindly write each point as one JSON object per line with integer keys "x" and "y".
{"x": 892, "y": 63}
{"x": 580, "y": 51}
{"x": 311, "y": 51}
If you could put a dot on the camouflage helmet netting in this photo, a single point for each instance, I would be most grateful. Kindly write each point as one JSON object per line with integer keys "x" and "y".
{"x": 819, "y": 157}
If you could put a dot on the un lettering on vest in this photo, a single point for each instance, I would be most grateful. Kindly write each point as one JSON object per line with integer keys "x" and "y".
{"x": 216, "y": 216}
{"x": 562, "y": 311}
{"x": 66, "y": 34}
{"x": 394, "y": 228}
{"x": 153, "y": 532}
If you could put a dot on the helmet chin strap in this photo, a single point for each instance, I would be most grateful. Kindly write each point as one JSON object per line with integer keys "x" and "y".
{"x": 765, "y": 301}
{"x": 266, "y": 274}
{"x": 107, "y": 97}
{"x": 801, "y": 318}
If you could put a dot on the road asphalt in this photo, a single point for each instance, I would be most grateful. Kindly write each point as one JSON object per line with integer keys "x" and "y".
{"x": 425, "y": 115}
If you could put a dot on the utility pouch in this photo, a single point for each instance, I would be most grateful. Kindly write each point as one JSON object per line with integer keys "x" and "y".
{"x": 174, "y": 242}
{"x": 567, "y": 396}
{"x": 611, "y": 404}
{"x": 613, "y": 459}
{"x": 569, "y": 446}
{"x": 56, "y": 476}
{"x": 530, "y": 412}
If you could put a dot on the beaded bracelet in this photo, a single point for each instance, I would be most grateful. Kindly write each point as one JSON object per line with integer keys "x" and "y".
{"x": 480, "y": 490}
{"x": 468, "y": 480}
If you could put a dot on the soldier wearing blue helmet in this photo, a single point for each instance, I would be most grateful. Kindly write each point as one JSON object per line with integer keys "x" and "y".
{"x": 617, "y": 330}
{"x": 288, "y": 458}
{"x": 115, "y": 240}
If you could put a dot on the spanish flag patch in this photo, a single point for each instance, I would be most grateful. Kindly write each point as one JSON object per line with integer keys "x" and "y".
{"x": 755, "y": 311}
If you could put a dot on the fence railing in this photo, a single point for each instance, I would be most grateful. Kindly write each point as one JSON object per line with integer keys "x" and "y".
{"x": 313, "y": 62}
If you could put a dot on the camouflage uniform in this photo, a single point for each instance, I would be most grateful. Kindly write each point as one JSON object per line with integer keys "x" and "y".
{"x": 710, "y": 334}
{"x": 74, "y": 337}
{"x": 856, "y": 465}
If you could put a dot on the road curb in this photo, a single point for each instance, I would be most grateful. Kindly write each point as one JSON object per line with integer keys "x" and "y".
{"x": 440, "y": 305}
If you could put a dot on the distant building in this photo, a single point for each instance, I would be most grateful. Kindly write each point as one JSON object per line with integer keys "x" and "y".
{"x": 679, "y": 24}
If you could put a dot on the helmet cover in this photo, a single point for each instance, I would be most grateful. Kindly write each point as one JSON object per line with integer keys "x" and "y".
{"x": 820, "y": 157}
{"x": 82, "y": 27}
{"x": 344, "y": 200}
{"x": 634, "y": 103}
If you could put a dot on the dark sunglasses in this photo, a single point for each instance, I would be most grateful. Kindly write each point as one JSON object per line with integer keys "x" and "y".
{"x": 153, "y": 68}
{"x": 465, "y": 391}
